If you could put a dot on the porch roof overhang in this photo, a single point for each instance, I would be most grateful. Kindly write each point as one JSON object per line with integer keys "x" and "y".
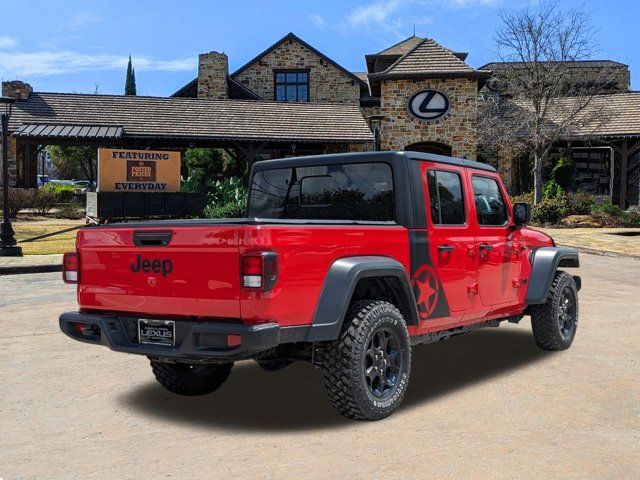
{"x": 69, "y": 131}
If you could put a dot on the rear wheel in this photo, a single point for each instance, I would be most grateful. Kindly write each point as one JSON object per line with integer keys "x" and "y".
{"x": 191, "y": 378}
{"x": 555, "y": 322}
{"x": 367, "y": 369}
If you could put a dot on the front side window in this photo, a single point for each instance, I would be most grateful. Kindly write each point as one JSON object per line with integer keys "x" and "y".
{"x": 292, "y": 86}
{"x": 445, "y": 197}
{"x": 358, "y": 191}
{"x": 490, "y": 205}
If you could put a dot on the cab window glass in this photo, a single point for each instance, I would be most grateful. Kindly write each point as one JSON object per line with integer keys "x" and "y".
{"x": 490, "y": 205}
{"x": 357, "y": 191}
{"x": 445, "y": 197}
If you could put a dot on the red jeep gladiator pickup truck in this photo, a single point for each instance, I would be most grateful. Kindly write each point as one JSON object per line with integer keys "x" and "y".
{"x": 346, "y": 261}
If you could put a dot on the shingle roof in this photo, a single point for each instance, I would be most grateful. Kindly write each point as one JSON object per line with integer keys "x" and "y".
{"x": 402, "y": 47}
{"x": 611, "y": 115}
{"x": 623, "y": 117}
{"x": 494, "y": 66}
{"x": 428, "y": 58}
{"x": 162, "y": 117}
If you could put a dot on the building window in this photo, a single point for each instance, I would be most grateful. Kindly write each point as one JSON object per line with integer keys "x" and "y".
{"x": 292, "y": 86}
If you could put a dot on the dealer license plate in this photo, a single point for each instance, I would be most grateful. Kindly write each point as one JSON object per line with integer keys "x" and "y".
{"x": 157, "y": 332}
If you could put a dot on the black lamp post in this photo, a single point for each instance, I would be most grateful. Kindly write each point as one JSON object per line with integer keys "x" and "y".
{"x": 8, "y": 247}
{"x": 376, "y": 125}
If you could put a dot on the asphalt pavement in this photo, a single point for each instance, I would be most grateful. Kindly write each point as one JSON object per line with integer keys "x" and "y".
{"x": 485, "y": 405}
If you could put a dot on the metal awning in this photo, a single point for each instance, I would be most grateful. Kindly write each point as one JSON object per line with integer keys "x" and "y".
{"x": 69, "y": 131}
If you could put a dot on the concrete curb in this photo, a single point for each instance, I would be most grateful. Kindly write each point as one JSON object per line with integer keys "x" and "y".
{"x": 24, "y": 269}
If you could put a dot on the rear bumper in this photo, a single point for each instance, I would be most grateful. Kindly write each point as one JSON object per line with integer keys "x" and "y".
{"x": 194, "y": 340}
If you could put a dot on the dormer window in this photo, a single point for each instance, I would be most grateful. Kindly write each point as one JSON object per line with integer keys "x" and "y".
{"x": 292, "y": 85}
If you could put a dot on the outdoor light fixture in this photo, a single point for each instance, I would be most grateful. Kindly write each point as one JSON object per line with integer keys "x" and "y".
{"x": 8, "y": 242}
{"x": 375, "y": 121}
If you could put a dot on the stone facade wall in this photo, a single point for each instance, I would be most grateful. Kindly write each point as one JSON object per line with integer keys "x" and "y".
{"x": 327, "y": 84}
{"x": 456, "y": 129}
{"x": 213, "y": 68}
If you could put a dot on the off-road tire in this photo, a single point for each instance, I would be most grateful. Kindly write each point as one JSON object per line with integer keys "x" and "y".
{"x": 191, "y": 379}
{"x": 343, "y": 361}
{"x": 546, "y": 319}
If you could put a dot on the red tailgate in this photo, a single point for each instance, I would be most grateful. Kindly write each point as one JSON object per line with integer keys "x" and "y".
{"x": 178, "y": 270}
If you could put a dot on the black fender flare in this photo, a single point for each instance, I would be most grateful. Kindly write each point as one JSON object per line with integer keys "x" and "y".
{"x": 544, "y": 263}
{"x": 339, "y": 285}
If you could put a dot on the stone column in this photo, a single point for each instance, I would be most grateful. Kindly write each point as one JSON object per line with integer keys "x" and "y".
{"x": 20, "y": 91}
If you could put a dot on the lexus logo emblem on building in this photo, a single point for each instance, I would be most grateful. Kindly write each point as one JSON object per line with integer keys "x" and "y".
{"x": 428, "y": 104}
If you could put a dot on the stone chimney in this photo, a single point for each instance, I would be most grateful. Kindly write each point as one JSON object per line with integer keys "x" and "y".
{"x": 213, "y": 68}
{"x": 16, "y": 89}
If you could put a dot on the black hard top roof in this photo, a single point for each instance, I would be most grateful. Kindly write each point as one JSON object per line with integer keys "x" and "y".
{"x": 363, "y": 157}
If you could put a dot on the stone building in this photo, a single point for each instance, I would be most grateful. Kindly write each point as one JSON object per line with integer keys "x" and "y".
{"x": 292, "y": 99}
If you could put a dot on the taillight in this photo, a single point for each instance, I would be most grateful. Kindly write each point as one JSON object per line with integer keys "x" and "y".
{"x": 70, "y": 268}
{"x": 259, "y": 270}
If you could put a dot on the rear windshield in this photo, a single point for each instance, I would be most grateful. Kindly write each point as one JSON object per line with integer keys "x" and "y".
{"x": 357, "y": 191}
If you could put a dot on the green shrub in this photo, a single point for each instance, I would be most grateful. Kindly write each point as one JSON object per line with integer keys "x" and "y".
{"x": 631, "y": 219}
{"x": 63, "y": 193}
{"x": 551, "y": 189}
{"x": 579, "y": 203}
{"x": 229, "y": 190}
{"x": 44, "y": 200}
{"x": 606, "y": 209}
{"x": 524, "y": 198}
{"x": 227, "y": 210}
{"x": 549, "y": 211}
{"x": 19, "y": 199}
{"x": 70, "y": 210}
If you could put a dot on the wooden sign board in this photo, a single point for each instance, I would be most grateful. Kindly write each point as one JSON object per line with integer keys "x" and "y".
{"x": 138, "y": 170}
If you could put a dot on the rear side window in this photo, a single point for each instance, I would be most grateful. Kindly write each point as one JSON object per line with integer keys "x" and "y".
{"x": 358, "y": 191}
{"x": 490, "y": 205}
{"x": 445, "y": 197}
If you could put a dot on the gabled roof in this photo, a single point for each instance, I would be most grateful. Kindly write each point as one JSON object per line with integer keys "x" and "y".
{"x": 291, "y": 36}
{"x": 429, "y": 59}
{"x": 189, "y": 118}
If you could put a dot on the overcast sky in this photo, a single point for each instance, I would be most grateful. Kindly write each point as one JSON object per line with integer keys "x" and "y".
{"x": 74, "y": 45}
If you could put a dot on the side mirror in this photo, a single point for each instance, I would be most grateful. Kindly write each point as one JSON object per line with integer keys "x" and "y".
{"x": 521, "y": 213}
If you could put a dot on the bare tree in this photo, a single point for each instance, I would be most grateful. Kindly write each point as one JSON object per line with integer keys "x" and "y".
{"x": 539, "y": 98}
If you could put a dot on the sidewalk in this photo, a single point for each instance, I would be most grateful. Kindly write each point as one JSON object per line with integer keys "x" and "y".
{"x": 620, "y": 242}
{"x": 30, "y": 264}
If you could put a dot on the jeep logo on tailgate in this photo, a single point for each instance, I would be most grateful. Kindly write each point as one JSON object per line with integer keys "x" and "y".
{"x": 164, "y": 266}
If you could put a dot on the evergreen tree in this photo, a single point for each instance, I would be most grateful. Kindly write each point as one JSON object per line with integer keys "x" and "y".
{"x": 130, "y": 83}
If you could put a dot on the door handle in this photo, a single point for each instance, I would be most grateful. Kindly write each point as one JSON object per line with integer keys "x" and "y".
{"x": 485, "y": 247}
{"x": 446, "y": 248}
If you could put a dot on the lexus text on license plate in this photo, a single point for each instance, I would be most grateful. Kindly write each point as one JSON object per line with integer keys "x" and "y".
{"x": 157, "y": 332}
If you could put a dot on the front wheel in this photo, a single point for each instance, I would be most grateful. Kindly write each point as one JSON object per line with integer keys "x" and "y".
{"x": 555, "y": 322}
{"x": 367, "y": 369}
{"x": 191, "y": 378}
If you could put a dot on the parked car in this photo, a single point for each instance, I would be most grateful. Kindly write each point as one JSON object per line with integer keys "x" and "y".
{"x": 345, "y": 261}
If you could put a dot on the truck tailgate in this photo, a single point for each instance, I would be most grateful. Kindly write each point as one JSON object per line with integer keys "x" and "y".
{"x": 173, "y": 270}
